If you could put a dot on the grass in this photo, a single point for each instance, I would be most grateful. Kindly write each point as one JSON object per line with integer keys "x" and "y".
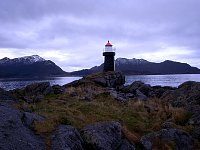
{"x": 137, "y": 117}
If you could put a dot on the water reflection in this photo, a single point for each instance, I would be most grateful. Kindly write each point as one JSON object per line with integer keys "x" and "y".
{"x": 163, "y": 80}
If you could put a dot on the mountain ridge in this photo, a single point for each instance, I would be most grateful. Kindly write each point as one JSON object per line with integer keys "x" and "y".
{"x": 143, "y": 67}
{"x": 36, "y": 66}
{"x": 29, "y": 66}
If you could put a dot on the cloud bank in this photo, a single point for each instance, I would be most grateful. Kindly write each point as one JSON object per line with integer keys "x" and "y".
{"x": 73, "y": 33}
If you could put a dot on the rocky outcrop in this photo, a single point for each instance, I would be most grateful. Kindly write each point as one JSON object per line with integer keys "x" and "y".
{"x": 107, "y": 79}
{"x": 6, "y": 96}
{"x": 119, "y": 96}
{"x": 104, "y": 136}
{"x": 196, "y": 132}
{"x": 186, "y": 94}
{"x": 34, "y": 92}
{"x": 125, "y": 145}
{"x": 144, "y": 91}
{"x": 97, "y": 136}
{"x": 104, "y": 79}
{"x": 66, "y": 137}
{"x": 181, "y": 139}
{"x": 14, "y": 135}
{"x": 57, "y": 89}
{"x": 28, "y": 118}
{"x": 140, "y": 86}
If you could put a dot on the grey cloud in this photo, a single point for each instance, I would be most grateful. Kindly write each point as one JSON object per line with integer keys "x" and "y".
{"x": 81, "y": 28}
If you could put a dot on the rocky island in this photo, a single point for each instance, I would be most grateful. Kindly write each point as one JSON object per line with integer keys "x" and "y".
{"x": 98, "y": 112}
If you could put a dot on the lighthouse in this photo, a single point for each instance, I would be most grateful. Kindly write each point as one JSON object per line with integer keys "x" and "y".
{"x": 109, "y": 57}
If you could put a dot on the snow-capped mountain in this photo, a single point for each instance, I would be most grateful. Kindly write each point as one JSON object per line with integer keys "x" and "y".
{"x": 24, "y": 60}
{"x": 144, "y": 67}
{"x": 124, "y": 61}
{"x": 28, "y": 66}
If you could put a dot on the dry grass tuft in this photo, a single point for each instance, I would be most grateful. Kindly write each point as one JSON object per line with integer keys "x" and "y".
{"x": 137, "y": 117}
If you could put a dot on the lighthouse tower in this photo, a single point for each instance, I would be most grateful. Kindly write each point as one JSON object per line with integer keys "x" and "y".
{"x": 109, "y": 58}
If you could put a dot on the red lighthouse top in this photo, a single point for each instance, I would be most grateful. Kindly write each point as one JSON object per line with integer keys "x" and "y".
{"x": 108, "y": 44}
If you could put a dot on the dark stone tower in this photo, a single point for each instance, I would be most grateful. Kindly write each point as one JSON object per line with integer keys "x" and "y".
{"x": 109, "y": 60}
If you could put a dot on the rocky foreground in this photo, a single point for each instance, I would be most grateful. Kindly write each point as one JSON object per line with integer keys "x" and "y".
{"x": 98, "y": 112}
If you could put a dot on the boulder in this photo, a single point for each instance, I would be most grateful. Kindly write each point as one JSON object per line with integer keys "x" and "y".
{"x": 107, "y": 79}
{"x": 140, "y": 95}
{"x": 34, "y": 92}
{"x": 42, "y": 88}
{"x": 138, "y": 85}
{"x": 6, "y": 96}
{"x": 121, "y": 97}
{"x": 28, "y": 118}
{"x": 186, "y": 94}
{"x": 194, "y": 110}
{"x": 57, "y": 89}
{"x": 14, "y": 135}
{"x": 195, "y": 119}
{"x": 182, "y": 140}
{"x": 158, "y": 91}
{"x": 104, "y": 136}
{"x": 66, "y": 137}
{"x": 196, "y": 133}
{"x": 125, "y": 145}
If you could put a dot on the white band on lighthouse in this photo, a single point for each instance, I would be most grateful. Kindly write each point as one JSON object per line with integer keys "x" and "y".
{"x": 108, "y": 49}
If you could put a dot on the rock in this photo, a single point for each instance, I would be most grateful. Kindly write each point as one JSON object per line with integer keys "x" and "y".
{"x": 34, "y": 92}
{"x": 107, "y": 79}
{"x": 138, "y": 85}
{"x": 167, "y": 125}
{"x": 195, "y": 119}
{"x": 28, "y": 118}
{"x": 145, "y": 89}
{"x": 43, "y": 88}
{"x": 125, "y": 145}
{"x": 6, "y": 96}
{"x": 158, "y": 91}
{"x": 182, "y": 140}
{"x": 196, "y": 133}
{"x": 57, "y": 89}
{"x": 140, "y": 95}
{"x": 13, "y": 134}
{"x": 134, "y": 86}
{"x": 66, "y": 137}
{"x": 130, "y": 95}
{"x": 186, "y": 94}
{"x": 102, "y": 135}
{"x": 121, "y": 97}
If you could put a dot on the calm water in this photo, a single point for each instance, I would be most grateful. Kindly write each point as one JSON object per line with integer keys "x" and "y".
{"x": 9, "y": 84}
{"x": 163, "y": 80}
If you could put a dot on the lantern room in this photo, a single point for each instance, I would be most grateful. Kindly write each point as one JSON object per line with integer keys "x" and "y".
{"x": 108, "y": 47}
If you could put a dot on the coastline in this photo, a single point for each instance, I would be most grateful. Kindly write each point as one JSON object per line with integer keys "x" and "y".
{"x": 140, "y": 112}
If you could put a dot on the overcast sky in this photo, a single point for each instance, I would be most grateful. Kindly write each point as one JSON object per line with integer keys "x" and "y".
{"x": 72, "y": 33}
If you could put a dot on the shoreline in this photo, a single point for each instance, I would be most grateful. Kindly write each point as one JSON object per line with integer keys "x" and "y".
{"x": 133, "y": 115}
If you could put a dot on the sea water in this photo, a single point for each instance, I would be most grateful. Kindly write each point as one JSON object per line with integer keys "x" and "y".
{"x": 162, "y": 80}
